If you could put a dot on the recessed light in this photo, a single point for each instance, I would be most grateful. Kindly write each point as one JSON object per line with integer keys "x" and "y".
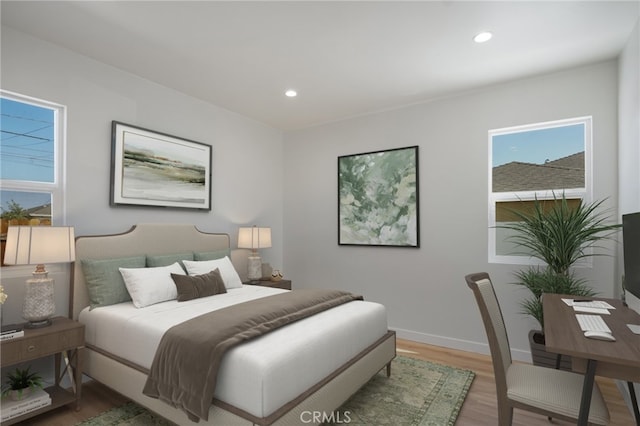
{"x": 482, "y": 37}
{"x": 291, "y": 93}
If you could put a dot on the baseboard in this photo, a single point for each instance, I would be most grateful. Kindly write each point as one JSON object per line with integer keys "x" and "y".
{"x": 462, "y": 345}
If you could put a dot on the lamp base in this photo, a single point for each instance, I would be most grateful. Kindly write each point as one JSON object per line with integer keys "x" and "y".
{"x": 255, "y": 269}
{"x": 39, "y": 302}
{"x": 38, "y": 324}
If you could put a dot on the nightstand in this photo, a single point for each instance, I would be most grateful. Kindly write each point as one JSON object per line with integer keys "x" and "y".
{"x": 283, "y": 284}
{"x": 65, "y": 340}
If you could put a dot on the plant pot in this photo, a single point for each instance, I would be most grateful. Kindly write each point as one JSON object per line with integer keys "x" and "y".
{"x": 19, "y": 394}
{"x": 541, "y": 357}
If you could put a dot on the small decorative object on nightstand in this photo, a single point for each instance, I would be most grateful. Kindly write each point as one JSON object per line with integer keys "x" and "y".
{"x": 276, "y": 275}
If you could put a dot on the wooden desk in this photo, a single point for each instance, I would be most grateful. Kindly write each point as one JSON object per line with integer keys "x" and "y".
{"x": 618, "y": 360}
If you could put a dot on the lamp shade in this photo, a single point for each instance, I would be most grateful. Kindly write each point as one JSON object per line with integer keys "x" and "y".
{"x": 254, "y": 238}
{"x": 33, "y": 245}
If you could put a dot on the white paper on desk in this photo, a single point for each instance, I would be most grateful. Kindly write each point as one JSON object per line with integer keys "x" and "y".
{"x": 586, "y": 309}
{"x": 590, "y": 304}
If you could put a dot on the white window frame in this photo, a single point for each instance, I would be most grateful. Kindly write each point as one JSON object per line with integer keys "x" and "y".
{"x": 55, "y": 188}
{"x": 494, "y": 197}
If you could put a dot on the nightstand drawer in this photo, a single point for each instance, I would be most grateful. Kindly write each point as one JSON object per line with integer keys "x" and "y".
{"x": 28, "y": 348}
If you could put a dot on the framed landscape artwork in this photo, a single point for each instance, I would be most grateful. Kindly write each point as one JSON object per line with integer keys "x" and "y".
{"x": 378, "y": 198}
{"x": 155, "y": 169}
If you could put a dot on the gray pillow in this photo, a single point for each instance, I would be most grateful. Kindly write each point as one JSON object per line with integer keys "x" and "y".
{"x": 104, "y": 281}
{"x": 195, "y": 286}
{"x": 211, "y": 255}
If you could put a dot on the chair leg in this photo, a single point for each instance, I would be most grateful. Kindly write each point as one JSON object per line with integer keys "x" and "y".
{"x": 558, "y": 361}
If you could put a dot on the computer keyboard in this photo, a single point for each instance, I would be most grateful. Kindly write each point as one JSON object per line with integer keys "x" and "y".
{"x": 592, "y": 323}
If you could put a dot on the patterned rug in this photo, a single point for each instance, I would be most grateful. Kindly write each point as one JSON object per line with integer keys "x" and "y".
{"x": 418, "y": 393}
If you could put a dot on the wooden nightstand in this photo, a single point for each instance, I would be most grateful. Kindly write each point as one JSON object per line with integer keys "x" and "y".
{"x": 65, "y": 340}
{"x": 283, "y": 284}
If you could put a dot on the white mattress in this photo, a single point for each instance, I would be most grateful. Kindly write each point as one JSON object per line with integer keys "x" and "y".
{"x": 258, "y": 376}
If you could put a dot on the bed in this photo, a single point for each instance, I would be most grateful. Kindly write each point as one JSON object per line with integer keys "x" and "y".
{"x": 265, "y": 381}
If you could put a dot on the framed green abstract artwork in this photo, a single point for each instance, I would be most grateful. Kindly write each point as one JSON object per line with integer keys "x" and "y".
{"x": 378, "y": 198}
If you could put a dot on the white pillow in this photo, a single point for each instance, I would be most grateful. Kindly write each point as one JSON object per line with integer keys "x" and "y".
{"x": 227, "y": 270}
{"x": 147, "y": 286}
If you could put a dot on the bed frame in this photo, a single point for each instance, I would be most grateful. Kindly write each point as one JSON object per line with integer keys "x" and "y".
{"x": 128, "y": 380}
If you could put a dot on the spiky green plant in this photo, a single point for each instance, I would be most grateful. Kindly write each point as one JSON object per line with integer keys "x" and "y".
{"x": 560, "y": 236}
{"x": 20, "y": 379}
{"x": 544, "y": 280}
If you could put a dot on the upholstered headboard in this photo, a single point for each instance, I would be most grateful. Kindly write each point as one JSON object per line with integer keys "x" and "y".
{"x": 144, "y": 239}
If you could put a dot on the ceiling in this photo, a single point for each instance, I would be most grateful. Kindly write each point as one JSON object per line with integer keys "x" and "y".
{"x": 344, "y": 58}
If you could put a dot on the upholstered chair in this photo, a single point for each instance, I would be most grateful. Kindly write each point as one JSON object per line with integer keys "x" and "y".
{"x": 546, "y": 391}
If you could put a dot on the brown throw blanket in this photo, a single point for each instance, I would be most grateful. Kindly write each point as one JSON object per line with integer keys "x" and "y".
{"x": 185, "y": 366}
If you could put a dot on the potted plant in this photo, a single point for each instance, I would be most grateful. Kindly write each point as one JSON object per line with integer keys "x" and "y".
{"x": 559, "y": 234}
{"x": 20, "y": 383}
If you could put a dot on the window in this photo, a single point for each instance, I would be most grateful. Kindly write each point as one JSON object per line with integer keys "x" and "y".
{"x": 31, "y": 160}
{"x": 542, "y": 161}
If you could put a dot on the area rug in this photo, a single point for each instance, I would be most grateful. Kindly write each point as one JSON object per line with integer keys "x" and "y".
{"x": 418, "y": 393}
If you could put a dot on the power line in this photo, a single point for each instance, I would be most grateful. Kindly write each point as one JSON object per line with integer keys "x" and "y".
{"x": 27, "y": 118}
{"x": 26, "y": 135}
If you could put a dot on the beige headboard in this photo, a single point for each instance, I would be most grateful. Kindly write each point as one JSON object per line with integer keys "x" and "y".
{"x": 154, "y": 239}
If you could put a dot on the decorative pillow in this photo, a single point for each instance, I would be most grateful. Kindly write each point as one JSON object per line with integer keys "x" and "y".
{"x": 168, "y": 259}
{"x": 148, "y": 286}
{"x": 211, "y": 255}
{"x": 104, "y": 281}
{"x": 194, "y": 287}
{"x": 227, "y": 271}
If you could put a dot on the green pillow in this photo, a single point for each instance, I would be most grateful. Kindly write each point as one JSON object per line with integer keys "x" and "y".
{"x": 154, "y": 261}
{"x": 104, "y": 281}
{"x": 211, "y": 255}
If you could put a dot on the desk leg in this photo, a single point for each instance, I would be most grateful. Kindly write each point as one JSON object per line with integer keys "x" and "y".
{"x": 634, "y": 402}
{"x": 587, "y": 390}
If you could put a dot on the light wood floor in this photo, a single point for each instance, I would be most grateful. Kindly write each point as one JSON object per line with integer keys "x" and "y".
{"x": 479, "y": 408}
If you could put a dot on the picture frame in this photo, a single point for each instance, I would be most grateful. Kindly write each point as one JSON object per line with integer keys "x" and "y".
{"x": 150, "y": 168}
{"x": 378, "y": 198}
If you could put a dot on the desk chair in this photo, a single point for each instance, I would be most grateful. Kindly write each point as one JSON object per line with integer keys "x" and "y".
{"x": 553, "y": 393}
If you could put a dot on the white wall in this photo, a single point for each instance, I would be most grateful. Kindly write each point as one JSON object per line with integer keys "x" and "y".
{"x": 629, "y": 139}
{"x": 629, "y": 150}
{"x": 629, "y": 124}
{"x": 424, "y": 289}
{"x": 247, "y": 155}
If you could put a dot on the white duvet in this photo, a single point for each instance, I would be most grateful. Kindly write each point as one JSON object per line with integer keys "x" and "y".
{"x": 261, "y": 375}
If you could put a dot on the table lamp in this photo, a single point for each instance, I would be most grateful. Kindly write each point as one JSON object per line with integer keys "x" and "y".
{"x": 37, "y": 245}
{"x": 254, "y": 238}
